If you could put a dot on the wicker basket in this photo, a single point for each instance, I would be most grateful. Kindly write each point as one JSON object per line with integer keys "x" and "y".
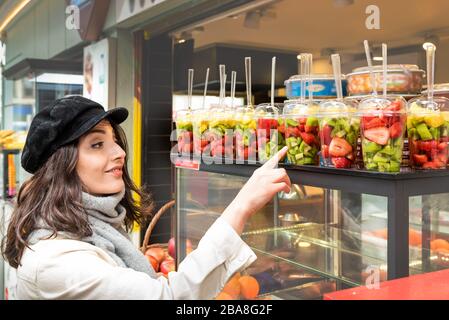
{"x": 146, "y": 239}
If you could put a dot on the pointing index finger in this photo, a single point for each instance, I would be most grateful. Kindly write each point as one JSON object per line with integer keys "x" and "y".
{"x": 273, "y": 161}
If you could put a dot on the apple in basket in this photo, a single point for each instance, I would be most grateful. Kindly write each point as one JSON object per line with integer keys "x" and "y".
{"x": 172, "y": 248}
{"x": 157, "y": 253}
{"x": 167, "y": 266}
{"x": 153, "y": 263}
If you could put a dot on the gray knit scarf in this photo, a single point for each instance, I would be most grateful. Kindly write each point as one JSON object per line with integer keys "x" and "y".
{"x": 106, "y": 217}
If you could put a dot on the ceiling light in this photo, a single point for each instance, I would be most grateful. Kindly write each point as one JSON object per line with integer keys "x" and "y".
{"x": 298, "y": 57}
{"x": 427, "y": 44}
{"x": 378, "y": 59}
{"x": 252, "y": 20}
{"x": 432, "y": 39}
{"x": 13, "y": 13}
{"x": 181, "y": 40}
{"x": 343, "y": 3}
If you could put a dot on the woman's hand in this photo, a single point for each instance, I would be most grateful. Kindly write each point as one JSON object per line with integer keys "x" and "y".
{"x": 261, "y": 187}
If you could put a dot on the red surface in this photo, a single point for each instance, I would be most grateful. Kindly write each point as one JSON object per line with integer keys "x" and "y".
{"x": 428, "y": 286}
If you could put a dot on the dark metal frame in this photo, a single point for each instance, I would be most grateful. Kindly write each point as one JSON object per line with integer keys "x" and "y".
{"x": 396, "y": 187}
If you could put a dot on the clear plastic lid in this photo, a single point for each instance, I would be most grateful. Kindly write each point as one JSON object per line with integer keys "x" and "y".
{"x": 337, "y": 107}
{"x": 200, "y": 114}
{"x": 422, "y": 105}
{"x": 184, "y": 115}
{"x": 244, "y": 113}
{"x": 316, "y": 76}
{"x": 267, "y": 110}
{"x": 298, "y": 108}
{"x": 390, "y": 68}
{"x": 381, "y": 105}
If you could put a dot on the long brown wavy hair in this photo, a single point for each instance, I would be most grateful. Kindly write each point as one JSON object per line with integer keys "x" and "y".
{"x": 53, "y": 196}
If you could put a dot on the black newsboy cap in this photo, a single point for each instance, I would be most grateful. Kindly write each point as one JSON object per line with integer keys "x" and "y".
{"x": 60, "y": 123}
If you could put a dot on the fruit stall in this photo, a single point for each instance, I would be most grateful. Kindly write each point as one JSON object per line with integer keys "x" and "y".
{"x": 368, "y": 165}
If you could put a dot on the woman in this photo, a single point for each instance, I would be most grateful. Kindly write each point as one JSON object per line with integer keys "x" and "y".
{"x": 67, "y": 235}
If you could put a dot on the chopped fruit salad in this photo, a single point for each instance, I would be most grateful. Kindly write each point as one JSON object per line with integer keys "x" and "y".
{"x": 339, "y": 131}
{"x": 382, "y": 132}
{"x": 184, "y": 132}
{"x": 302, "y": 133}
{"x": 428, "y": 133}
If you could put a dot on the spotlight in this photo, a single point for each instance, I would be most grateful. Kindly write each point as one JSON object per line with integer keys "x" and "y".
{"x": 252, "y": 20}
{"x": 343, "y": 3}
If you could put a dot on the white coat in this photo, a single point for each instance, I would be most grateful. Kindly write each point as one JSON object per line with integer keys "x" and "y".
{"x": 70, "y": 269}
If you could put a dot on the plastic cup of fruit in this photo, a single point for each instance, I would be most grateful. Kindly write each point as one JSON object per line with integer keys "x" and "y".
{"x": 383, "y": 124}
{"x": 339, "y": 131}
{"x": 428, "y": 132}
{"x": 269, "y": 139}
{"x": 184, "y": 133}
{"x": 302, "y": 132}
{"x": 220, "y": 135}
{"x": 200, "y": 124}
{"x": 245, "y": 133}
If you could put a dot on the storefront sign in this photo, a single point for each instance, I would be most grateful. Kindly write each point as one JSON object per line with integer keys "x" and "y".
{"x": 127, "y": 8}
{"x": 99, "y": 72}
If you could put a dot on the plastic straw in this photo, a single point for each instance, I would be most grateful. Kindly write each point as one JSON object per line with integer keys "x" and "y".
{"x": 222, "y": 86}
{"x": 336, "y": 66}
{"x": 248, "y": 79}
{"x": 430, "y": 58}
{"x": 303, "y": 76}
{"x": 190, "y": 88}
{"x": 370, "y": 67}
{"x": 384, "y": 67}
{"x": 233, "y": 81}
{"x": 309, "y": 75}
{"x": 273, "y": 77}
{"x": 205, "y": 88}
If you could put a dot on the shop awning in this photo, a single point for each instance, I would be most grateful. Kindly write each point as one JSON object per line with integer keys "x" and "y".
{"x": 39, "y": 66}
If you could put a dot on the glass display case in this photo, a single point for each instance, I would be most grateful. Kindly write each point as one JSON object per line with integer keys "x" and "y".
{"x": 336, "y": 229}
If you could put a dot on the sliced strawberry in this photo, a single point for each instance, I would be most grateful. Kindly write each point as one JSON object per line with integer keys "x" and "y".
{"x": 439, "y": 164}
{"x": 309, "y": 129}
{"x": 282, "y": 129}
{"x": 444, "y": 139}
{"x": 428, "y": 145}
{"x": 366, "y": 120}
{"x": 293, "y": 132}
{"x": 341, "y": 162}
{"x": 339, "y": 147}
{"x": 394, "y": 106}
{"x": 442, "y": 146}
{"x": 326, "y": 134}
{"x": 430, "y": 165}
{"x": 419, "y": 159}
{"x": 442, "y": 157}
{"x": 302, "y": 120}
{"x": 378, "y": 135}
{"x": 396, "y": 130}
{"x": 308, "y": 138}
{"x": 375, "y": 123}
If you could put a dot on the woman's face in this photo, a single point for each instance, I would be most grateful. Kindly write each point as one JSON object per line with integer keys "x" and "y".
{"x": 100, "y": 161}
